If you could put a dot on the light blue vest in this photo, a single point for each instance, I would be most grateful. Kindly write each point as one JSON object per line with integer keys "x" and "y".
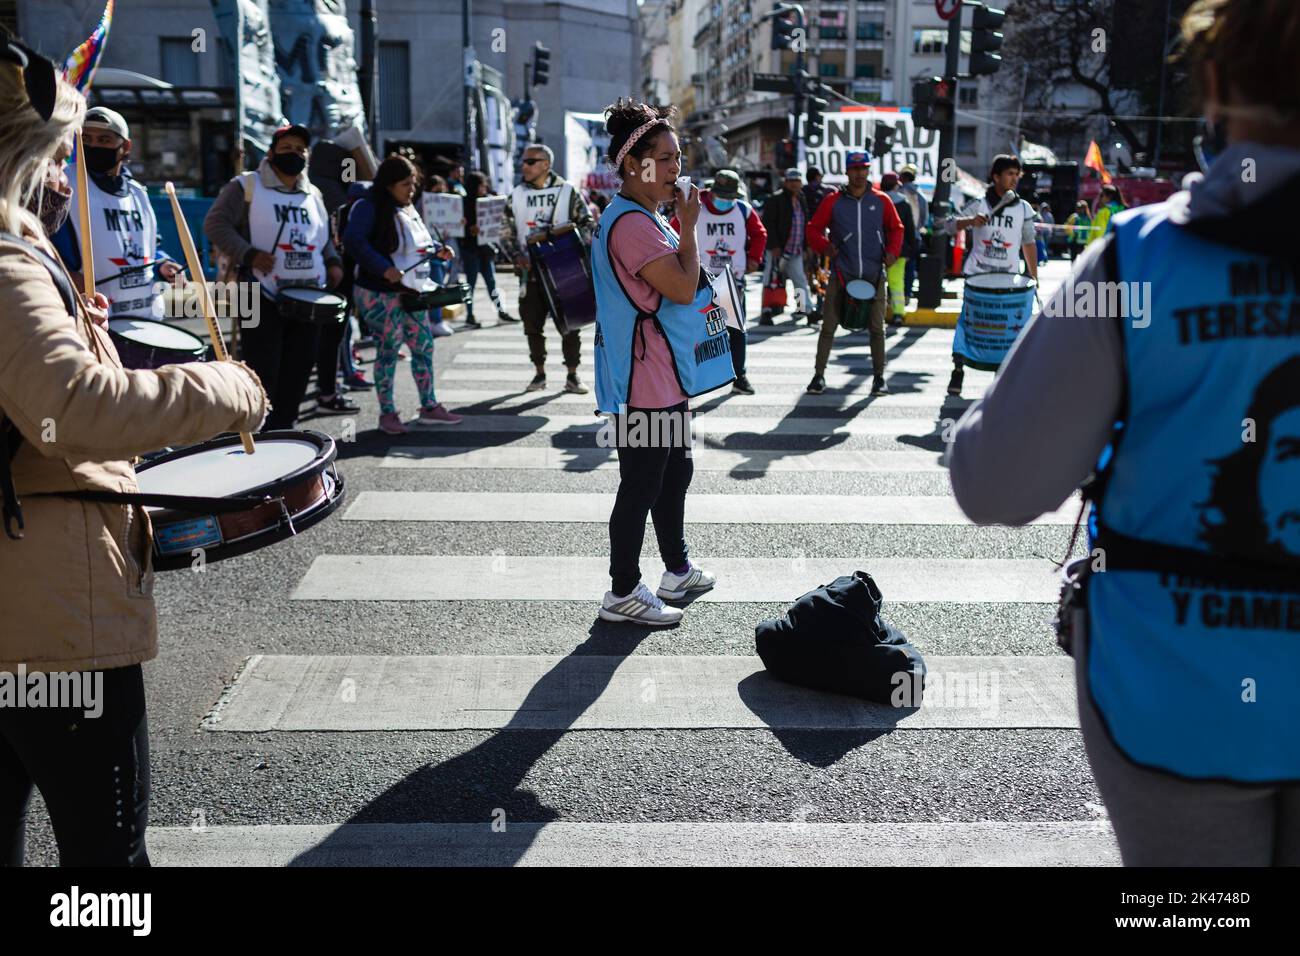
{"x": 696, "y": 333}
{"x": 1201, "y": 678}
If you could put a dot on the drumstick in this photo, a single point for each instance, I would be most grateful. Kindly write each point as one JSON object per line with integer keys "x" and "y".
{"x": 83, "y": 216}
{"x": 205, "y": 296}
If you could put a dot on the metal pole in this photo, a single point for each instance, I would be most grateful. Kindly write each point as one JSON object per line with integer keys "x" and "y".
{"x": 1160, "y": 110}
{"x": 798, "y": 78}
{"x": 465, "y": 42}
{"x": 930, "y": 274}
{"x": 1020, "y": 111}
{"x": 369, "y": 72}
{"x": 948, "y": 137}
{"x": 238, "y": 158}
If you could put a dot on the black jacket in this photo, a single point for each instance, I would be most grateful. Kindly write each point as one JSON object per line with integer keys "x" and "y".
{"x": 778, "y": 213}
{"x": 909, "y": 223}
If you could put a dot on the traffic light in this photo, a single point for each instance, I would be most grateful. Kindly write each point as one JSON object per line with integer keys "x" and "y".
{"x": 883, "y": 140}
{"x": 541, "y": 65}
{"x": 941, "y": 107}
{"x": 816, "y": 106}
{"x": 783, "y": 27}
{"x": 985, "y": 40}
{"x": 932, "y": 103}
{"x": 785, "y": 154}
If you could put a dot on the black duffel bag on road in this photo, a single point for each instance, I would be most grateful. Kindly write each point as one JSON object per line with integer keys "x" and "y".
{"x": 834, "y": 638}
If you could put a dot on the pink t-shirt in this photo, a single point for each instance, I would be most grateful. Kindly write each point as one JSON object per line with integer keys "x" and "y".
{"x": 635, "y": 243}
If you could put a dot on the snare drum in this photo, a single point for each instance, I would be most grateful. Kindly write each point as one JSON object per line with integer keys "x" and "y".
{"x": 294, "y": 469}
{"x": 995, "y": 307}
{"x": 859, "y": 297}
{"x": 437, "y": 298}
{"x": 301, "y": 304}
{"x": 149, "y": 343}
{"x": 559, "y": 259}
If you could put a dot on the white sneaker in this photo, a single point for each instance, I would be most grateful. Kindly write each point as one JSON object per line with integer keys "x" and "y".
{"x": 639, "y": 607}
{"x": 441, "y": 328}
{"x": 674, "y": 587}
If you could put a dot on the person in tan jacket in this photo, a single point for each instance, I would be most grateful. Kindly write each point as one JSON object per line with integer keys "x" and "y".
{"x": 76, "y": 587}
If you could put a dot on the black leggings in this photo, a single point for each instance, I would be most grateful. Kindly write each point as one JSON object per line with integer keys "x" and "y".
{"x": 653, "y": 481}
{"x": 93, "y": 773}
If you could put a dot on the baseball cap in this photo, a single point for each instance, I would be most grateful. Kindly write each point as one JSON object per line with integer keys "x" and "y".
{"x": 293, "y": 129}
{"x": 909, "y": 168}
{"x": 857, "y": 158}
{"x": 101, "y": 117}
{"x": 793, "y": 173}
{"x": 726, "y": 184}
{"x": 889, "y": 180}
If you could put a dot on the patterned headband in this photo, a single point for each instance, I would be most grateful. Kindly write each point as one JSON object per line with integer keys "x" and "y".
{"x": 631, "y": 140}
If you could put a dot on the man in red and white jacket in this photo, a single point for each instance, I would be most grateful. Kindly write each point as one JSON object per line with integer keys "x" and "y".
{"x": 729, "y": 232}
{"x": 865, "y": 237}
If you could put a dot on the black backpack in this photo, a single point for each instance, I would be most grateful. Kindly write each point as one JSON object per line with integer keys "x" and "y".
{"x": 834, "y": 638}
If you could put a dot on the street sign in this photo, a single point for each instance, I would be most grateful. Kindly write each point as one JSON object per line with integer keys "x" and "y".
{"x": 947, "y": 8}
{"x": 773, "y": 83}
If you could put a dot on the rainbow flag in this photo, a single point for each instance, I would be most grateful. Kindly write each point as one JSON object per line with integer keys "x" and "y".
{"x": 79, "y": 68}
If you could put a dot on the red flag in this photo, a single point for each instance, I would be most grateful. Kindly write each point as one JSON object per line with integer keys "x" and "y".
{"x": 1093, "y": 161}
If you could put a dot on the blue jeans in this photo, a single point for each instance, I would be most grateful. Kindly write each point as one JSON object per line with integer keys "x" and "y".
{"x": 476, "y": 260}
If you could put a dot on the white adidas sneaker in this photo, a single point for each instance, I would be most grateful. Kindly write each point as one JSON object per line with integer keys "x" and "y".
{"x": 639, "y": 607}
{"x": 674, "y": 587}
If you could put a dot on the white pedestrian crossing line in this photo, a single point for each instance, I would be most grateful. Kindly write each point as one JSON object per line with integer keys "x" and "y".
{"x": 917, "y": 381}
{"x": 856, "y": 345}
{"x": 780, "y": 396}
{"x": 311, "y": 694}
{"x": 755, "y": 360}
{"x": 501, "y": 577}
{"x": 548, "y": 507}
{"x": 712, "y": 423}
{"x": 547, "y": 458}
{"x": 794, "y": 842}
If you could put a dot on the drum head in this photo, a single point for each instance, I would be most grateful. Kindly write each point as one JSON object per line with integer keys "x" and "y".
{"x": 227, "y": 471}
{"x": 860, "y": 289}
{"x": 1000, "y": 282}
{"x": 156, "y": 334}
{"x": 313, "y": 296}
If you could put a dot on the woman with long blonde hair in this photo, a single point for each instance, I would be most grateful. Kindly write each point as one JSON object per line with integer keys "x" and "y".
{"x": 76, "y": 574}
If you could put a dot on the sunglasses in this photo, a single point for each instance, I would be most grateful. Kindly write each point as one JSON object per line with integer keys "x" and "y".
{"x": 529, "y": 162}
{"x": 37, "y": 71}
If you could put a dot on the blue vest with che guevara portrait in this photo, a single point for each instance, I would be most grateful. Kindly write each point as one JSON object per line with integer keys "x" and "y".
{"x": 1194, "y": 600}
{"x": 696, "y": 333}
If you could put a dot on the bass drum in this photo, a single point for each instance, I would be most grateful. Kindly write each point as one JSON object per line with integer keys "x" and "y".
{"x": 291, "y": 473}
{"x": 559, "y": 259}
{"x": 995, "y": 307}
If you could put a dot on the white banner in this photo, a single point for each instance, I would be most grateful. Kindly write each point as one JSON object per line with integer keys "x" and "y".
{"x": 852, "y": 129}
{"x": 443, "y": 214}
{"x": 586, "y": 145}
{"x": 491, "y": 212}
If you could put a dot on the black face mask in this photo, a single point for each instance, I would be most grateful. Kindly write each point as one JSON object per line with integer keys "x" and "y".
{"x": 50, "y": 206}
{"x": 100, "y": 159}
{"x": 291, "y": 164}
